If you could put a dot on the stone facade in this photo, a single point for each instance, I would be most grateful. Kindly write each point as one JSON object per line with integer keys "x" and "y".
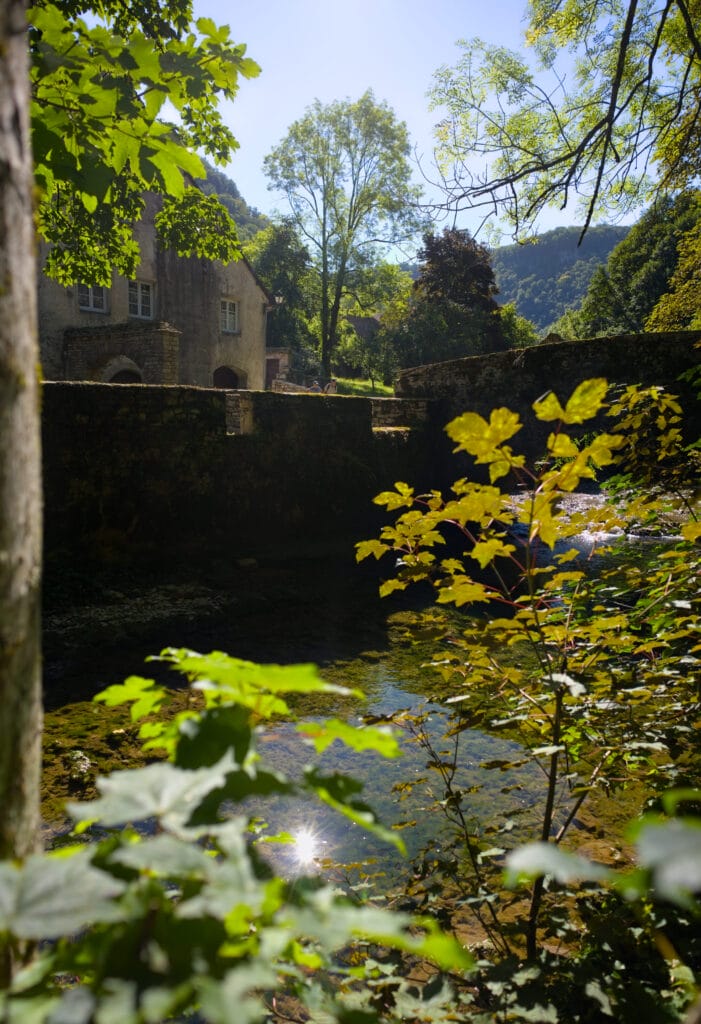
{"x": 277, "y": 366}
{"x": 184, "y": 320}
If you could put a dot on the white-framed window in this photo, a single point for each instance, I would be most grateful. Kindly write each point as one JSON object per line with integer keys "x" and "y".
{"x": 93, "y": 298}
{"x": 229, "y": 316}
{"x": 141, "y": 299}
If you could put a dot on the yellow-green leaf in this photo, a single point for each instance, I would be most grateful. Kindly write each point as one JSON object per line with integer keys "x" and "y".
{"x": 379, "y": 738}
{"x": 370, "y": 547}
{"x": 691, "y": 531}
{"x": 389, "y": 586}
{"x": 462, "y": 591}
{"x": 561, "y": 446}
{"x": 485, "y": 551}
{"x": 586, "y": 401}
{"x": 473, "y": 434}
{"x": 548, "y": 408}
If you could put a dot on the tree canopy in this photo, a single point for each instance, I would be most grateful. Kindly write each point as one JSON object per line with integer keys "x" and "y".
{"x": 124, "y": 97}
{"x": 344, "y": 170}
{"x": 608, "y": 109}
{"x": 456, "y": 268}
{"x": 680, "y": 307}
{"x": 282, "y": 262}
{"x": 452, "y": 312}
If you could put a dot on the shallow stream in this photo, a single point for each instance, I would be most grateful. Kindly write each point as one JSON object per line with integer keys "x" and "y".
{"x": 326, "y": 612}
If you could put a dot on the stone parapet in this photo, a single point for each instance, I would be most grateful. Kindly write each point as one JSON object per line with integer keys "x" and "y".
{"x": 164, "y": 475}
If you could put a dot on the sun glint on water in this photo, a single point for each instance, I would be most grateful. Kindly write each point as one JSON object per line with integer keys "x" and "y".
{"x": 306, "y": 847}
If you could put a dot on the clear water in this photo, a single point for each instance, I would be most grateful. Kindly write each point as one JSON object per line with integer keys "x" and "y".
{"x": 330, "y": 614}
{"x": 398, "y": 679}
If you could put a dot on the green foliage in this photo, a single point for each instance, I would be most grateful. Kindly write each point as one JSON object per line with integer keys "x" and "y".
{"x": 519, "y": 134}
{"x": 344, "y": 170}
{"x": 551, "y": 273}
{"x": 197, "y": 225}
{"x": 435, "y": 331}
{"x": 249, "y": 222}
{"x": 455, "y": 268}
{"x": 452, "y": 312}
{"x": 680, "y": 307}
{"x": 363, "y": 351}
{"x": 282, "y": 263}
{"x": 655, "y": 459}
{"x": 379, "y": 300}
{"x": 595, "y": 678}
{"x": 518, "y": 332}
{"x": 122, "y": 101}
{"x": 172, "y": 909}
{"x": 638, "y": 272}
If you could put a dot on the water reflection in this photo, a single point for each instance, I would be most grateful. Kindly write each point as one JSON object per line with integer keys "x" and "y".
{"x": 408, "y": 794}
{"x": 391, "y": 670}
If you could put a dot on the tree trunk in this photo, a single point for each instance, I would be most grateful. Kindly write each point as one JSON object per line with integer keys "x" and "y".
{"x": 332, "y": 338}
{"x": 20, "y": 454}
{"x": 325, "y": 350}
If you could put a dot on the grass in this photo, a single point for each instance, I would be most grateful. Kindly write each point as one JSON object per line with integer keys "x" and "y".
{"x": 349, "y": 386}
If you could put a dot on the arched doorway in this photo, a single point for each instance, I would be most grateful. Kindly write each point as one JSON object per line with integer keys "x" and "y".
{"x": 225, "y": 377}
{"x": 121, "y": 370}
{"x": 125, "y": 377}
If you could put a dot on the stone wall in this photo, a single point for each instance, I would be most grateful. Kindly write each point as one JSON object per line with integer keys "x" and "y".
{"x": 394, "y": 412}
{"x": 173, "y": 476}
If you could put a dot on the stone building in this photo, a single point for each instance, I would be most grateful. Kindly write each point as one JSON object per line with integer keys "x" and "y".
{"x": 183, "y": 320}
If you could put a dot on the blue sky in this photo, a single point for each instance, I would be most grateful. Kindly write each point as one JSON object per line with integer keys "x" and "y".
{"x": 328, "y": 50}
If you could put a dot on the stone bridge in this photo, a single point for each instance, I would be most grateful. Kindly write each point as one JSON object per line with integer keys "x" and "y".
{"x": 518, "y": 377}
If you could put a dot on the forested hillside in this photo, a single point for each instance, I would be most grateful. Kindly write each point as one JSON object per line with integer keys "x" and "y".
{"x": 247, "y": 219}
{"x": 550, "y": 275}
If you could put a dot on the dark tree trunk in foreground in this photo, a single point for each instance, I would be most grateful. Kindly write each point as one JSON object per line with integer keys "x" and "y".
{"x": 20, "y": 461}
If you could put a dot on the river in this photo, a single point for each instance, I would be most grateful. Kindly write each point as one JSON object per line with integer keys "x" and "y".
{"x": 326, "y": 611}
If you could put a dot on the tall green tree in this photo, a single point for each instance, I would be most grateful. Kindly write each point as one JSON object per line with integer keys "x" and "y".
{"x": 456, "y": 268}
{"x": 453, "y": 311}
{"x": 680, "y": 307}
{"x": 344, "y": 170}
{"x": 608, "y": 110}
{"x": 282, "y": 262}
{"x": 124, "y": 97}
